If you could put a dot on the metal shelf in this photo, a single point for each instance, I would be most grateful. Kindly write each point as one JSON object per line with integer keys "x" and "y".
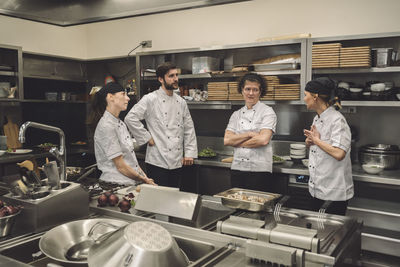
{"x": 371, "y": 103}
{"x": 55, "y": 78}
{"x": 48, "y": 101}
{"x": 227, "y": 104}
{"x": 229, "y": 74}
{"x": 356, "y": 70}
{"x": 8, "y": 73}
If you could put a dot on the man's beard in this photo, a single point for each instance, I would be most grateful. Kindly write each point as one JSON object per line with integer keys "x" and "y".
{"x": 171, "y": 86}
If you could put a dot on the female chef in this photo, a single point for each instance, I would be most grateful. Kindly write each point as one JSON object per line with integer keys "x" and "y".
{"x": 113, "y": 143}
{"x": 329, "y": 140}
{"x": 249, "y": 131}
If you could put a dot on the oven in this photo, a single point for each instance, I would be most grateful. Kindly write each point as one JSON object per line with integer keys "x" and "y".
{"x": 297, "y": 189}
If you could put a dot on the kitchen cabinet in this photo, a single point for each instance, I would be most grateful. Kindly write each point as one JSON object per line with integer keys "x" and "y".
{"x": 11, "y": 71}
{"x": 229, "y": 56}
{"x": 360, "y": 76}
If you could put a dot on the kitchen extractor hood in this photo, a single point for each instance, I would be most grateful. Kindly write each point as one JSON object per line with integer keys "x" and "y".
{"x": 74, "y": 12}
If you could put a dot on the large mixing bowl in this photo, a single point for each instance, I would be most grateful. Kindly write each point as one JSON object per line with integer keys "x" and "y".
{"x": 6, "y": 224}
{"x": 68, "y": 243}
{"x": 138, "y": 244}
{"x": 387, "y": 156}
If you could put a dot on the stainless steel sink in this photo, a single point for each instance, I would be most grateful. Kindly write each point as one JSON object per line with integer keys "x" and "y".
{"x": 27, "y": 251}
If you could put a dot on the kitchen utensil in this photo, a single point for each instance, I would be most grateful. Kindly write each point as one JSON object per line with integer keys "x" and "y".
{"x": 6, "y": 224}
{"x": 297, "y": 146}
{"x": 382, "y": 57}
{"x": 64, "y": 238}
{"x": 355, "y": 90}
{"x": 384, "y": 155}
{"x": 237, "y": 198}
{"x": 305, "y": 162}
{"x": 51, "y": 171}
{"x": 11, "y": 130}
{"x": 140, "y": 243}
{"x": 372, "y": 168}
{"x": 3, "y": 142}
{"x": 227, "y": 160}
{"x": 4, "y": 87}
{"x": 2, "y": 152}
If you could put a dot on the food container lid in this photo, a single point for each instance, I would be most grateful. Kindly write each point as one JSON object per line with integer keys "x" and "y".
{"x": 381, "y": 148}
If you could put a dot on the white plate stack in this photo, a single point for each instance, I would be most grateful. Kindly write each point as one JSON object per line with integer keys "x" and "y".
{"x": 298, "y": 151}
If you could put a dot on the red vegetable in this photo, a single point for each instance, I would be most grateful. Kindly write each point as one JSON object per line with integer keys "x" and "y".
{"x": 102, "y": 200}
{"x": 113, "y": 200}
{"x": 124, "y": 205}
{"x": 1, "y": 203}
{"x": 108, "y": 194}
{"x": 11, "y": 210}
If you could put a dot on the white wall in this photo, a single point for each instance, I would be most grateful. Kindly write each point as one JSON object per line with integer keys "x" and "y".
{"x": 43, "y": 38}
{"x": 204, "y": 27}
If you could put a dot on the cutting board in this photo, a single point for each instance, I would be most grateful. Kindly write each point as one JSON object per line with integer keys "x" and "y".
{"x": 11, "y": 130}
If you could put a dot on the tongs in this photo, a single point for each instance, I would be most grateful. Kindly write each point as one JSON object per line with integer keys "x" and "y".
{"x": 86, "y": 171}
{"x": 278, "y": 207}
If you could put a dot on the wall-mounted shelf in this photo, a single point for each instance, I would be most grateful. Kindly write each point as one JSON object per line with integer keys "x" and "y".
{"x": 8, "y": 73}
{"x": 357, "y": 70}
{"x": 371, "y": 103}
{"x": 56, "y": 78}
{"x": 48, "y": 101}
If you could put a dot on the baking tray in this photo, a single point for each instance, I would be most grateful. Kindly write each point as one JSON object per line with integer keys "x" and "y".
{"x": 250, "y": 205}
{"x": 281, "y": 66}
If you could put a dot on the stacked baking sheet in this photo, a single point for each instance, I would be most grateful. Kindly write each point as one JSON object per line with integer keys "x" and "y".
{"x": 218, "y": 90}
{"x": 287, "y": 92}
{"x": 271, "y": 82}
{"x": 326, "y": 55}
{"x": 358, "y": 56}
{"x": 233, "y": 91}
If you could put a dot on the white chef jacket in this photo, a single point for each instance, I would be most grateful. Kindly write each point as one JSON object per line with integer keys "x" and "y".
{"x": 331, "y": 179}
{"x": 244, "y": 120}
{"x": 170, "y": 125}
{"x": 112, "y": 139}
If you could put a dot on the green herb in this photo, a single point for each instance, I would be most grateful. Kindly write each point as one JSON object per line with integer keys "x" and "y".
{"x": 207, "y": 152}
{"x": 277, "y": 158}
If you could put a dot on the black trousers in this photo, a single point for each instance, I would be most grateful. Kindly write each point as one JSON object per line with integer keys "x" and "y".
{"x": 336, "y": 207}
{"x": 260, "y": 181}
{"x": 163, "y": 176}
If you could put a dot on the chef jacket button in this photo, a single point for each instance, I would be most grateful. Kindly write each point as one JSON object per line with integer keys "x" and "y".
{"x": 163, "y": 101}
{"x": 165, "y": 113}
{"x": 250, "y": 121}
{"x": 243, "y": 112}
{"x": 169, "y": 149}
{"x": 167, "y": 125}
{"x": 168, "y": 137}
{"x": 309, "y": 165}
{"x": 242, "y": 122}
{"x": 178, "y": 113}
{"x": 178, "y": 125}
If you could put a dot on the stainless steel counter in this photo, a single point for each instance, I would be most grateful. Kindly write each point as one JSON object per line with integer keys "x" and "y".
{"x": 388, "y": 177}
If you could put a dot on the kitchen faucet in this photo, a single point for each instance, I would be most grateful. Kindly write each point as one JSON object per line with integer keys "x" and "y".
{"x": 61, "y": 155}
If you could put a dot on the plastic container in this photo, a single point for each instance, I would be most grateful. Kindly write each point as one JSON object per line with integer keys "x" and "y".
{"x": 382, "y": 57}
{"x": 204, "y": 64}
{"x": 51, "y": 96}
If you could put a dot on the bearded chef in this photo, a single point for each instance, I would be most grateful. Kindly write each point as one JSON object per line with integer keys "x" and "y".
{"x": 170, "y": 135}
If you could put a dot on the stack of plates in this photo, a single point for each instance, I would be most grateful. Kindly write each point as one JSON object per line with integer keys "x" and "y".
{"x": 233, "y": 91}
{"x": 217, "y": 91}
{"x": 358, "y": 56}
{"x": 326, "y": 55}
{"x": 287, "y": 92}
{"x": 297, "y": 151}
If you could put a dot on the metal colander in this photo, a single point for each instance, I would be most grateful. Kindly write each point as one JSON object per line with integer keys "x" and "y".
{"x": 138, "y": 244}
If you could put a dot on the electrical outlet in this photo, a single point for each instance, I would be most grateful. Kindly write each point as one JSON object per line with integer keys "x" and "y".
{"x": 147, "y": 44}
{"x": 352, "y": 109}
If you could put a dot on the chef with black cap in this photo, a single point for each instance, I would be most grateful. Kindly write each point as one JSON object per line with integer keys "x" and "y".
{"x": 329, "y": 140}
{"x": 113, "y": 144}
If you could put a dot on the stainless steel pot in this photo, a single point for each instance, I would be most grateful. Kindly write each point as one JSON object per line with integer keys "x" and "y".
{"x": 387, "y": 156}
{"x": 138, "y": 244}
{"x": 66, "y": 243}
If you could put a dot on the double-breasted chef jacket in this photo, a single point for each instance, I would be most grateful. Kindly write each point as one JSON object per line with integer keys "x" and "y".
{"x": 170, "y": 125}
{"x": 331, "y": 179}
{"x": 112, "y": 139}
{"x": 259, "y": 117}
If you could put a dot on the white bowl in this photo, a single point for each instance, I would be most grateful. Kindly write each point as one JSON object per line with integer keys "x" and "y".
{"x": 355, "y": 90}
{"x": 372, "y": 168}
{"x": 305, "y": 162}
{"x": 2, "y": 152}
{"x": 297, "y": 146}
{"x": 344, "y": 85}
{"x": 297, "y": 157}
{"x": 398, "y": 96}
{"x": 388, "y": 85}
{"x": 297, "y": 152}
{"x": 378, "y": 87}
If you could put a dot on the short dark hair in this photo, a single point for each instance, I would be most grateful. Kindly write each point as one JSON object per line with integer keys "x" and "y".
{"x": 253, "y": 77}
{"x": 163, "y": 69}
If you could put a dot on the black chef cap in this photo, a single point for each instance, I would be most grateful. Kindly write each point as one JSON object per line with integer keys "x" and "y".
{"x": 321, "y": 86}
{"x": 111, "y": 88}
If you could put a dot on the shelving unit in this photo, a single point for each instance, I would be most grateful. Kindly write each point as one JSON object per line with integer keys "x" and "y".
{"x": 230, "y": 56}
{"x": 360, "y": 75}
{"x": 11, "y": 56}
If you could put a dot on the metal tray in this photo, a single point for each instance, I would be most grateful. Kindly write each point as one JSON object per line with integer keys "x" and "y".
{"x": 281, "y": 66}
{"x": 244, "y": 204}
